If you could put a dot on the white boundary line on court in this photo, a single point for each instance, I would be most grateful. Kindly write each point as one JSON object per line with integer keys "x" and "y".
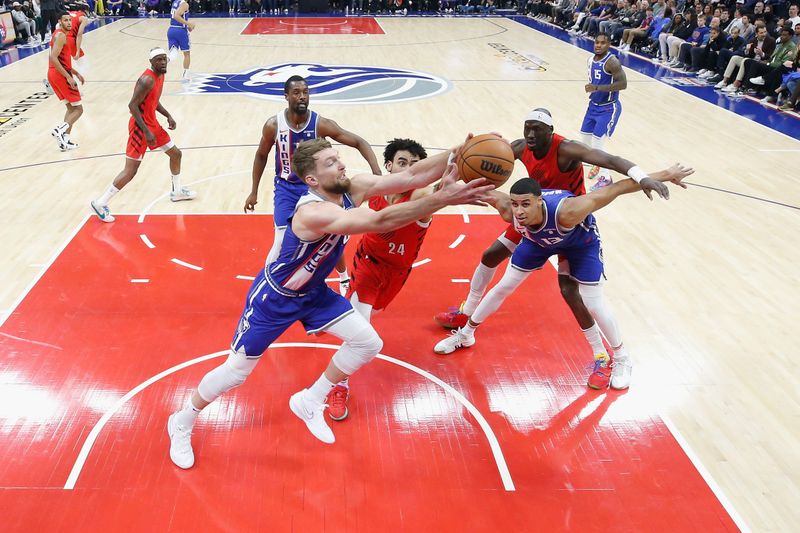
{"x": 458, "y": 241}
{"x": 706, "y": 475}
{"x": 185, "y": 264}
{"x": 147, "y": 242}
{"x": 44, "y": 269}
{"x": 80, "y": 461}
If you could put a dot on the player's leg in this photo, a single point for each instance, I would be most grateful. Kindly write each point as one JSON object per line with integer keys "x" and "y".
{"x": 178, "y": 192}
{"x": 586, "y": 266}
{"x": 492, "y": 257}
{"x": 100, "y": 205}
{"x": 333, "y": 314}
{"x": 587, "y": 128}
{"x": 525, "y": 259}
{"x": 256, "y": 330}
{"x": 570, "y": 291}
{"x": 604, "y": 129}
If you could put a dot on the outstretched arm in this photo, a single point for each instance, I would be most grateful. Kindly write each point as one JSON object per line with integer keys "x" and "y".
{"x": 363, "y": 186}
{"x": 575, "y": 209}
{"x": 260, "y": 161}
{"x": 313, "y": 220}
{"x": 502, "y": 202}
{"x": 329, "y": 128}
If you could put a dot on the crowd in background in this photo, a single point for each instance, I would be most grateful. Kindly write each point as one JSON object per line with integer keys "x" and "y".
{"x": 738, "y": 46}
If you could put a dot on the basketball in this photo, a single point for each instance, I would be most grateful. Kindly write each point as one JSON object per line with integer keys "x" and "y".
{"x": 486, "y": 156}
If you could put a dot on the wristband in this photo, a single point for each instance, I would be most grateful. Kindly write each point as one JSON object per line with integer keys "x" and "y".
{"x": 637, "y": 174}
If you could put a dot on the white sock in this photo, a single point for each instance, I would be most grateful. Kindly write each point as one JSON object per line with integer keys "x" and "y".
{"x": 106, "y": 197}
{"x": 599, "y": 143}
{"x": 320, "y": 389}
{"x": 469, "y": 330}
{"x": 176, "y": 182}
{"x": 621, "y": 353}
{"x": 345, "y": 383}
{"x": 186, "y": 416}
{"x": 594, "y": 339}
{"x": 477, "y": 287}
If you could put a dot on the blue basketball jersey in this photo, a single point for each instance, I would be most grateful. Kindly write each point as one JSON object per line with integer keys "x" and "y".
{"x": 286, "y": 140}
{"x": 302, "y": 265}
{"x": 174, "y": 23}
{"x": 549, "y": 234}
{"x": 599, "y": 76}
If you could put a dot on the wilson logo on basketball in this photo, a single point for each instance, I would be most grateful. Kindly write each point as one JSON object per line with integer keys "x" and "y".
{"x": 329, "y": 84}
{"x": 494, "y": 168}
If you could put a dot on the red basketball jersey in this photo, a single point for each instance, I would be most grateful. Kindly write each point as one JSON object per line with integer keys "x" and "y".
{"x": 65, "y": 57}
{"x": 150, "y": 103}
{"x": 395, "y": 249}
{"x": 547, "y": 173}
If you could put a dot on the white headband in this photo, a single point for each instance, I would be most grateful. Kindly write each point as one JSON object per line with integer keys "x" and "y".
{"x": 157, "y": 52}
{"x": 540, "y": 116}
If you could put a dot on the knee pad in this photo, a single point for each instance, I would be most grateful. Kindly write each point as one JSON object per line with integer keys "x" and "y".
{"x": 358, "y": 350}
{"x": 232, "y": 373}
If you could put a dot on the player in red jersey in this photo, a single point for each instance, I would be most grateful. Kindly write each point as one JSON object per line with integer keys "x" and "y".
{"x": 145, "y": 132}
{"x": 78, "y": 12}
{"x": 556, "y": 163}
{"x": 62, "y": 78}
{"x": 382, "y": 261}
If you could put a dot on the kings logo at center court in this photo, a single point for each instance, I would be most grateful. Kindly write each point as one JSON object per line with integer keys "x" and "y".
{"x": 328, "y": 84}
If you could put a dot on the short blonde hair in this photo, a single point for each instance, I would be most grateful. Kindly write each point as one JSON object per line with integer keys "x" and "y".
{"x": 303, "y": 162}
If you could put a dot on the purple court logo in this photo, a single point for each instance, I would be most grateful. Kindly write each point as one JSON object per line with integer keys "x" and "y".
{"x": 329, "y": 84}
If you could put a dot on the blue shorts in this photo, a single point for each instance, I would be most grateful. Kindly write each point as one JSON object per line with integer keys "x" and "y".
{"x": 585, "y": 260}
{"x": 287, "y": 194}
{"x": 178, "y": 38}
{"x": 267, "y": 314}
{"x": 601, "y": 120}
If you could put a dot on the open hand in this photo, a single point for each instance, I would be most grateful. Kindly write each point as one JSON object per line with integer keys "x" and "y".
{"x": 454, "y": 192}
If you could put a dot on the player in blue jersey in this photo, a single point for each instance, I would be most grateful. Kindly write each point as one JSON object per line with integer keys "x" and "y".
{"x": 554, "y": 222}
{"x": 606, "y": 79}
{"x": 295, "y": 124}
{"x": 292, "y": 288}
{"x": 178, "y": 33}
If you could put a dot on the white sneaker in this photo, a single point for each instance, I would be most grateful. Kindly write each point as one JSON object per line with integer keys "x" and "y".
{"x": 180, "y": 444}
{"x": 182, "y": 194}
{"x": 759, "y": 80}
{"x": 69, "y": 144}
{"x": 729, "y": 88}
{"x": 311, "y": 413}
{"x": 457, "y": 339}
{"x": 720, "y": 85}
{"x": 702, "y": 72}
{"x": 102, "y": 212}
{"x": 621, "y": 370}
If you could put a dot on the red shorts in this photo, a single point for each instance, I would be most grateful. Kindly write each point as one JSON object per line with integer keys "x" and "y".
{"x": 375, "y": 284}
{"x": 63, "y": 90}
{"x": 510, "y": 238}
{"x": 137, "y": 144}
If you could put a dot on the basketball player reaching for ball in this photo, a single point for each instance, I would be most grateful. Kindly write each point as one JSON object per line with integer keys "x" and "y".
{"x": 178, "y": 34}
{"x": 555, "y": 163}
{"x": 293, "y": 288}
{"x": 145, "y": 132}
{"x": 295, "y": 124}
{"x": 382, "y": 261}
{"x": 553, "y": 222}
{"x": 62, "y": 78}
{"x": 606, "y": 79}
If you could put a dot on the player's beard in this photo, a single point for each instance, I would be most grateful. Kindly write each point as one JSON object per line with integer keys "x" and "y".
{"x": 338, "y": 187}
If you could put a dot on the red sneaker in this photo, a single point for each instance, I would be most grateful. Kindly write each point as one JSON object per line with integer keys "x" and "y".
{"x": 601, "y": 374}
{"x": 337, "y": 402}
{"x": 452, "y": 318}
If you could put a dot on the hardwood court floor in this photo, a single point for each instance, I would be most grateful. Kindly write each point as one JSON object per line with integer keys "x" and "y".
{"x": 704, "y": 285}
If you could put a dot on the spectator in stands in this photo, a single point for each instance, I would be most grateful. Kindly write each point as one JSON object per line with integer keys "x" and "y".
{"x": 758, "y": 49}
{"x": 114, "y": 7}
{"x": 563, "y": 16}
{"x": 24, "y": 26}
{"x": 641, "y": 31}
{"x": 670, "y": 42}
{"x": 790, "y": 86}
{"x": 699, "y": 37}
{"x": 735, "y": 47}
{"x": 796, "y": 38}
{"x": 704, "y": 58}
{"x": 794, "y": 17}
{"x": 623, "y": 12}
{"x": 658, "y": 8}
{"x": 767, "y": 76}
